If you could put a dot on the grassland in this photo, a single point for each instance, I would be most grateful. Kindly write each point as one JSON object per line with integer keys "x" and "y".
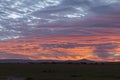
{"x": 62, "y": 71}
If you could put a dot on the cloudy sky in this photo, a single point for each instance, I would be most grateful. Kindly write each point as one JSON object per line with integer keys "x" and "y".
{"x": 60, "y": 29}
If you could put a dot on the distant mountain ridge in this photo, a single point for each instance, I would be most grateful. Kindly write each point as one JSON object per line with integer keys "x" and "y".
{"x": 86, "y": 60}
{"x": 45, "y": 61}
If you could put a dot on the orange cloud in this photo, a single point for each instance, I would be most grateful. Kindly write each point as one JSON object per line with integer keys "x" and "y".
{"x": 64, "y": 48}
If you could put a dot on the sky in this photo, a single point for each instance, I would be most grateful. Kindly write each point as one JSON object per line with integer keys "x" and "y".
{"x": 60, "y": 29}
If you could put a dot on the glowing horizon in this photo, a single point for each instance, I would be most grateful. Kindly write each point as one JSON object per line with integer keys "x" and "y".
{"x": 99, "y": 48}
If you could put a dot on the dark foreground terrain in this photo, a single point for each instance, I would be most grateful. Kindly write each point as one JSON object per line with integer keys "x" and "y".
{"x": 61, "y": 71}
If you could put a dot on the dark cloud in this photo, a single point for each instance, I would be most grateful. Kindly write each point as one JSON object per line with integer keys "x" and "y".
{"x": 66, "y": 45}
{"x": 4, "y": 55}
{"x": 74, "y": 45}
{"x": 103, "y": 9}
{"x": 102, "y": 53}
{"x": 105, "y": 51}
{"x": 104, "y": 21}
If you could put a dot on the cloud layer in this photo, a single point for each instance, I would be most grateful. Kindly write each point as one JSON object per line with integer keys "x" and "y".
{"x": 45, "y": 17}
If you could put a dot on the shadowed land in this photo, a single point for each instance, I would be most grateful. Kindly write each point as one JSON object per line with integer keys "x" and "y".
{"x": 61, "y": 71}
